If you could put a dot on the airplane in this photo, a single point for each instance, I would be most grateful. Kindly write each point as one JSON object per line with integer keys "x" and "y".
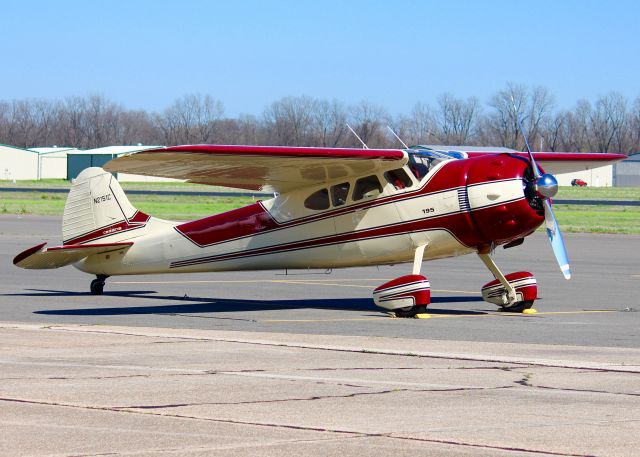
{"x": 332, "y": 208}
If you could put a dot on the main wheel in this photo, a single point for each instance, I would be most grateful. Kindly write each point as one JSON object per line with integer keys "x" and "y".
{"x": 518, "y": 307}
{"x": 97, "y": 286}
{"x": 410, "y": 312}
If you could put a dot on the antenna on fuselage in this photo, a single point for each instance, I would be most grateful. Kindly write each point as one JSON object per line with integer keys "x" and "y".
{"x": 359, "y": 139}
{"x": 397, "y": 137}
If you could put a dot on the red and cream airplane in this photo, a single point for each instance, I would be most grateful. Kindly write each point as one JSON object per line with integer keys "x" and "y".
{"x": 332, "y": 208}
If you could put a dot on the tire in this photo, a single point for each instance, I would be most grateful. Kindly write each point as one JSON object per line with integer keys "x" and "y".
{"x": 410, "y": 312}
{"x": 97, "y": 287}
{"x": 518, "y": 307}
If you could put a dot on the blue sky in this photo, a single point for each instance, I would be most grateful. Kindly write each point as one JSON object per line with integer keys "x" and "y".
{"x": 145, "y": 54}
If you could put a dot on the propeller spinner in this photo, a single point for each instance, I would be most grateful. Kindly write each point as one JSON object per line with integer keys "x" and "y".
{"x": 546, "y": 187}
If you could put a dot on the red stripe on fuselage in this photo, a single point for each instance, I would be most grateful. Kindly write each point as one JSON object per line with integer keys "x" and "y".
{"x": 138, "y": 220}
{"x": 238, "y": 223}
{"x": 456, "y": 224}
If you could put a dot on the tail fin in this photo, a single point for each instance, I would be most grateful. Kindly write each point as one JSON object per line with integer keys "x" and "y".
{"x": 97, "y": 208}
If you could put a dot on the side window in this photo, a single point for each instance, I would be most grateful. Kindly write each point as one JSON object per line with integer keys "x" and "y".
{"x": 398, "y": 178}
{"x": 318, "y": 200}
{"x": 419, "y": 166}
{"x": 339, "y": 193}
{"x": 367, "y": 187}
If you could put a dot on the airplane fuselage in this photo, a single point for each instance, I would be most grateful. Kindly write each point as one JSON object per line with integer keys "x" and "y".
{"x": 458, "y": 207}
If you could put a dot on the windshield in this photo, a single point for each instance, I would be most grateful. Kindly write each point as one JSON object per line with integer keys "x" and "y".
{"x": 422, "y": 159}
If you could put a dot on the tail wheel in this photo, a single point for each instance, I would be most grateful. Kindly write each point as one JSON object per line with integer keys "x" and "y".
{"x": 518, "y": 307}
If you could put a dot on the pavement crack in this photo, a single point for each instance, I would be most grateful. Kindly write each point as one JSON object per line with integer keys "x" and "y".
{"x": 312, "y": 398}
{"x": 591, "y": 391}
{"x": 486, "y": 446}
{"x": 255, "y": 402}
{"x": 338, "y": 431}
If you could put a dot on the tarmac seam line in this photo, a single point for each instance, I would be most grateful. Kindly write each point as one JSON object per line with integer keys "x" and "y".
{"x": 589, "y": 366}
{"x": 297, "y": 427}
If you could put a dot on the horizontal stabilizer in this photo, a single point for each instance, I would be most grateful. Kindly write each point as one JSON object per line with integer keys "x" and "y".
{"x": 41, "y": 258}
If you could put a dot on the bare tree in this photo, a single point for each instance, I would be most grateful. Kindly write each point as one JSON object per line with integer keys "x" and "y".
{"x": 634, "y": 128}
{"x": 457, "y": 119}
{"x": 289, "y": 121}
{"x": 420, "y": 127}
{"x": 369, "y": 121}
{"x": 190, "y": 119}
{"x": 539, "y": 110}
{"x": 609, "y": 124}
{"x": 533, "y": 109}
{"x": 501, "y": 125}
{"x": 329, "y": 120}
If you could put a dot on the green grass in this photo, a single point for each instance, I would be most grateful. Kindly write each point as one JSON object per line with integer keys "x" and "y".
{"x": 166, "y": 206}
{"x": 598, "y": 219}
{"x": 186, "y": 207}
{"x": 599, "y": 193}
{"x": 572, "y": 218}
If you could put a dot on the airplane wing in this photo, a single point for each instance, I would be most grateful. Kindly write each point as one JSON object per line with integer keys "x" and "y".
{"x": 41, "y": 258}
{"x": 565, "y": 162}
{"x": 267, "y": 168}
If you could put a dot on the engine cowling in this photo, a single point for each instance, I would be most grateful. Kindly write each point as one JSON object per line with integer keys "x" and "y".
{"x": 503, "y": 202}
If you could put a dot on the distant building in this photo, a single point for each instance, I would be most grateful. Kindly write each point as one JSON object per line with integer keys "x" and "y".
{"x": 79, "y": 160}
{"x": 597, "y": 177}
{"x": 627, "y": 172}
{"x": 52, "y": 162}
{"x": 17, "y": 163}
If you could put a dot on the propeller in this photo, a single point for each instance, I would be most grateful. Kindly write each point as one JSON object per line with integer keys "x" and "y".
{"x": 546, "y": 187}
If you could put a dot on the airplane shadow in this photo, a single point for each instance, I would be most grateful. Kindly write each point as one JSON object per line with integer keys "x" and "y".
{"x": 187, "y": 305}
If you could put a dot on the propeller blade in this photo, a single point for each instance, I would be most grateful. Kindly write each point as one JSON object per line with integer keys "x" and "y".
{"x": 546, "y": 187}
{"x": 557, "y": 243}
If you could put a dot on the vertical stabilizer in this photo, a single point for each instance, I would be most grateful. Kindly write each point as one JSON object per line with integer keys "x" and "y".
{"x": 97, "y": 208}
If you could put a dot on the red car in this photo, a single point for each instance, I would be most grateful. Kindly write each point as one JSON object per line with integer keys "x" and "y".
{"x": 579, "y": 183}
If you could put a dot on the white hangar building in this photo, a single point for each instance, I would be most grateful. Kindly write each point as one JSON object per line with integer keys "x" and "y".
{"x": 17, "y": 163}
{"x": 52, "y": 162}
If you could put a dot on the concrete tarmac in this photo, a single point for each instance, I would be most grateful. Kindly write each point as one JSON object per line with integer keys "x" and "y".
{"x": 107, "y": 390}
{"x": 303, "y": 363}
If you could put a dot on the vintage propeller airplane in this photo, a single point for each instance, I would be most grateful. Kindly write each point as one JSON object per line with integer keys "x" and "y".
{"x": 332, "y": 208}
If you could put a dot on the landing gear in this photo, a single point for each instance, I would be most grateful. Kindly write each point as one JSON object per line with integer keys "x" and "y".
{"x": 513, "y": 293}
{"x": 97, "y": 285}
{"x": 406, "y": 296}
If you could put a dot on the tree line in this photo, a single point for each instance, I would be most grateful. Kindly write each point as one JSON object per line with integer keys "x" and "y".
{"x": 611, "y": 123}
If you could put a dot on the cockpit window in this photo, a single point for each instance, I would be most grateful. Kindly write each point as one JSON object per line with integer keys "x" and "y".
{"x": 422, "y": 160}
{"x": 398, "y": 178}
{"x": 367, "y": 187}
{"x": 318, "y": 200}
{"x": 339, "y": 193}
